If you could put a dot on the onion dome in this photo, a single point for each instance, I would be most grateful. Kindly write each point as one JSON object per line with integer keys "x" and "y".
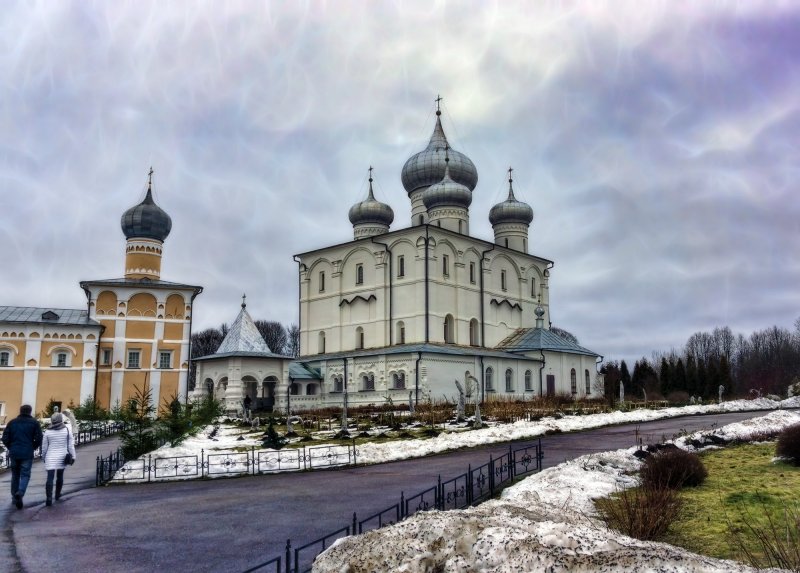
{"x": 447, "y": 192}
{"x": 427, "y": 167}
{"x": 146, "y": 220}
{"x": 511, "y": 210}
{"x": 371, "y": 210}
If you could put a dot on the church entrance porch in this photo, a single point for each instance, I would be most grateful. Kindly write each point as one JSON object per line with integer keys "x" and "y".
{"x": 266, "y": 401}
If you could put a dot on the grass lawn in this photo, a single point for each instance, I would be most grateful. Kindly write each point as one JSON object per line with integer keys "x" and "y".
{"x": 742, "y": 481}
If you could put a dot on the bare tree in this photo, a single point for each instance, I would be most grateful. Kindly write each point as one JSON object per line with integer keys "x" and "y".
{"x": 564, "y": 334}
{"x": 293, "y": 340}
{"x": 204, "y": 343}
{"x": 274, "y": 334}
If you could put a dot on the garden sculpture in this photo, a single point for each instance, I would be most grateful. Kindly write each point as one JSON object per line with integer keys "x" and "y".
{"x": 721, "y": 392}
{"x": 621, "y": 393}
{"x": 410, "y": 403}
{"x": 460, "y": 410}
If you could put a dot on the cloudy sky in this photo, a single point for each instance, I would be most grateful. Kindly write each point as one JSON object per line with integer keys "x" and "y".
{"x": 657, "y": 142}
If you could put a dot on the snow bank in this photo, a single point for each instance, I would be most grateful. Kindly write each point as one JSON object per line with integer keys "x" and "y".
{"x": 544, "y": 522}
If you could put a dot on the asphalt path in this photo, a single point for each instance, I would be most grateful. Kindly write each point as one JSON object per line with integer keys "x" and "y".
{"x": 233, "y": 524}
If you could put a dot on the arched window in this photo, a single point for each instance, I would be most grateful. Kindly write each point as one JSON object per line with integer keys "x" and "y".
{"x": 359, "y": 338}
{"x": 528, "y": 381}
{"x": 338, "y": 384}
{"x": 210, "y": 386}
{"x": 401, "y": 266}
{"x": 503, "y": 280}
{"x": 399, "y": 380}
{"x": 474, "y": 339}
{"x": 311, "y": 389}
{"x": 489, "y": 379}
{"x": 588, "y": 383}
{"x": 573, "y": 381}
{"x": 401, "y": 333}
{"x": 359, "y": 274}
{"x": 368, "y": 382}
{"x": 294, "y": 389}
{"x": 322, "y": 281}
{"x": 5, "y": 358}
{"x": 449, "y": 334}
{"x": 421, "y": 220}
{"x": 509, "y": 380}
{"x": 321, "y": 343}
{"x": 533, "y": 287}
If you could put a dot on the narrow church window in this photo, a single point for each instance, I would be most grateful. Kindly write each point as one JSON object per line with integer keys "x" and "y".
{"x": 506, "y": 242}
{"x": 369, "y": 382}
{"x": 573, "y": 381}
{"x": 528, "y": 384}
{"x": 509, "y": 380}
{"x": 473, "y": 332}
{"x": 401, "y": 266}
{"x": 106, "y": 356}
{"x": 588, "y": 383}
{"x": 399, "y": 380}
{"x": 445, "y": 265}
{"x": 472, "y": 273}
{"x": 401, "y": 332}
{"x": 5, "y": 358}
{"x": 359, "y": 338}
{"x": 449, "y": 337}
{"x": 359, "y": 274}
{"x": 61, "y": 360}
{"x": 421, "y": 220}
{"x": 503, "y": 280}
{"x": 533, "y": 287}
{"x": 489, "y": 379}
{"x": 321, "y": 345}
{"x": 322, "y": 281}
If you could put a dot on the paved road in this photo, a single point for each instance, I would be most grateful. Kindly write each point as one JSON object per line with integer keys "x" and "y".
{"x": 232, "y": 524}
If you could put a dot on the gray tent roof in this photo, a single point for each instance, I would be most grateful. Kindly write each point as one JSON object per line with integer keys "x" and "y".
{"x": 243, "y": 339}
{"x": 526, "y": 339}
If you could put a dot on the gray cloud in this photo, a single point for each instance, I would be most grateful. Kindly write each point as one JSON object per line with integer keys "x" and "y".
{"x": 657, "y": 144}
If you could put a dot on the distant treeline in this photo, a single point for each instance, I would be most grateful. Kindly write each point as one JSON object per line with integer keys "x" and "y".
{"x": 766, "y": 362}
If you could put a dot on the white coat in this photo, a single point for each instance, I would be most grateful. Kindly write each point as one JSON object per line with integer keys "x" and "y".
{"x": 55, "y": 445}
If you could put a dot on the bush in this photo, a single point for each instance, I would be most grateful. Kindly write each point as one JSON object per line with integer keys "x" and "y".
{"x": 140, "y": 437}
{"x": 90, "y": 411}
{"x": 673, "y": 468}
{"x": 644, "y": 513}
{"x": 777, "y": 538}
{"x": 789, "y": 444}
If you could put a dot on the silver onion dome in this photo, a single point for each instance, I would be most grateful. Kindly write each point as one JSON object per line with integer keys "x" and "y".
{"x": 511, "y": 210}
{"x": 447, "y": 192}
{"x": 371, "y": 210}
{"x": 146, "y": 220}
{"x": 427, "y": 167}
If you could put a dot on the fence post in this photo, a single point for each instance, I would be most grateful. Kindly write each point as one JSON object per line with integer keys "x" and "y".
{"x": 149, "y": 466}
{"x": 202, "y": 461}
{"x": 491, "y": 476}
{"x": 355, "y": 461}
{"x": 353, "y": 531}
{"x": 402, "y": 505}
{"x": 97, "y": 472}
{"x": 288, "y": 556}
{"x": 469, "y": 485}
{"x": 539, "y": 455}
{"x": 510, "y": 463}
{"x": 438, "y": 500}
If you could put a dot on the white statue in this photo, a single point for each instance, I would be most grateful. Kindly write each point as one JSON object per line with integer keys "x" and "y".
{"x": 410, "y": 403}
{"x": 461, "y": 404}
{"x": 621, "y": 393}
{"x": 721, "y": 392}
{"x": 477, "y": 424}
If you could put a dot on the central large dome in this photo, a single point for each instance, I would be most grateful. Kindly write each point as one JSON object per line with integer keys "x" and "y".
{"x": 427, "y": 167}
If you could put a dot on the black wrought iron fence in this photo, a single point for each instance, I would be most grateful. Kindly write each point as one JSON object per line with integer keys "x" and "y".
{"x": 151, "y": 467}
{"x": 470, "y": 488}
{"x": 82, "y": 436}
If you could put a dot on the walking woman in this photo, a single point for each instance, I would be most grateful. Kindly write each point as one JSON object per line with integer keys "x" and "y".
{"x": 57, "y": 442}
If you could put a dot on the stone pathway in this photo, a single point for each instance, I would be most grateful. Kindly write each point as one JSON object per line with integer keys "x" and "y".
{"x": 79, "y": 476}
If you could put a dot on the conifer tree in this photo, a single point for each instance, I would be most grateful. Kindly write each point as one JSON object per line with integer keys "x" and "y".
{"x": 665, "y": 379}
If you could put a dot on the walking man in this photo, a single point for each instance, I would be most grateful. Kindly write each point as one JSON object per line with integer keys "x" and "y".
{"x": 21, "y": 436}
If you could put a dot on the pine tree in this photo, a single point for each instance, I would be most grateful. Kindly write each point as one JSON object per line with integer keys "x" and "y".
{"x": 625, "y": 376}
{"x": 691, "y": 376}
{"x": 702, "y": 378}
{"x": 679, "y": 377}
{"x": 665, "y": 379}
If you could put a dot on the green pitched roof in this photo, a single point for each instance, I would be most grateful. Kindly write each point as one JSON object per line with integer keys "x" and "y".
{"x": 527, "y": 339}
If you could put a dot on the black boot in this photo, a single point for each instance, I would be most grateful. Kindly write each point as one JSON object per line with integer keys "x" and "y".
{"x": 48, "y": 489}
{"x": 58, "y": 490}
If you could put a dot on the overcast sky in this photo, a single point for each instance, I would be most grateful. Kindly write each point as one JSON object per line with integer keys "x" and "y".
{"x": 657, "y": 142}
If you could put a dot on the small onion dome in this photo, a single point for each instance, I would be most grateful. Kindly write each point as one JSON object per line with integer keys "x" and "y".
{"x": 146, "y": 220}
{"x": 539, "y": 312}
{"x": 511, "y": 210}
{"x": 447, "y": 192}
{"x": 427, "y": 167}
{"x": 371, "y": 211}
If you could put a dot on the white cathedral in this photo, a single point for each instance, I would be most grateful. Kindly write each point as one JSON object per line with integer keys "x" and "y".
{"x": 403, "y": 314}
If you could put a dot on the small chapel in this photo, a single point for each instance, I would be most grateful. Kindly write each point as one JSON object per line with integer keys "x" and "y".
{"x": 402, "y": 314}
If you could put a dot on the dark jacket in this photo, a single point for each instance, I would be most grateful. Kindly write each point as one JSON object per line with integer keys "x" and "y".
{"x": 22, "y": 436}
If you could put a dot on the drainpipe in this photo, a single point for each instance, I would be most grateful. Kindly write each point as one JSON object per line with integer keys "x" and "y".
{"x": 189, "y": 370}
{"x": 427, "y": 303}
{"x": 289, "y": 397}
{"x": 483, "y": 325}
{"x": 541, "y": 392}
{"x": 344, "y": 417}
{"x": 391, "y": 280}
{"x": 416, "y": 382}
{"x": 483, "y": 381}
{"x": 299, "y": 305}
{"x": 99, "y": 336}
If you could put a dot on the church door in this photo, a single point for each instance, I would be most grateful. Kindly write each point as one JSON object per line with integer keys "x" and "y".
{"x": 551, "y": 385}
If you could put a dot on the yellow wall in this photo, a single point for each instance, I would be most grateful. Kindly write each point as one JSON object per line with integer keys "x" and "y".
{"x": 104, "y": 389}
{"x": 142, "y": 304}
{"x": 169, "y": 388}
{"x": 175, "y": 306}
{"x": 62, "y": 385}
{"x": 106, "y": 303}
{"x": 147, "y": 261}
{"x": 140, "y": 329}
{"x": 173, "y": 331}
{"x": 11, "y": 389}
{"x": 45, "y": 360}
{"x": 133, "y": 378}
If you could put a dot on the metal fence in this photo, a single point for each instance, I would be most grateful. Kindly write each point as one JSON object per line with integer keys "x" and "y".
{"x": 470, "y": 488}
{"x": 215, "y": 464}
{"x": 84, "y": 436}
